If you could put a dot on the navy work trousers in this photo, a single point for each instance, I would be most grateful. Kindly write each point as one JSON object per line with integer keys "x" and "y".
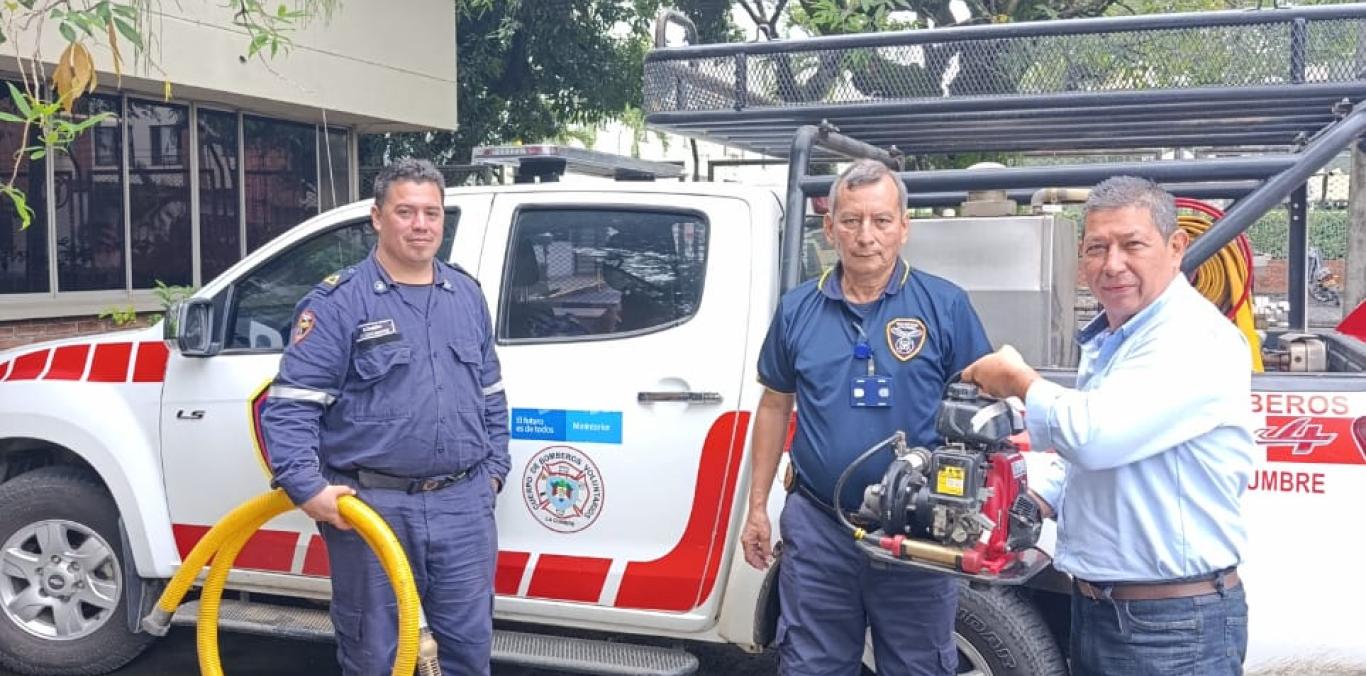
{"x": 451, "y": 544}
{"x": 832, "y": 592}
{"x": 1204, "y": 635}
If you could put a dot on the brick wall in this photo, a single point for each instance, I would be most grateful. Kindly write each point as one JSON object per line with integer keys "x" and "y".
{"x": 25, "y": 331}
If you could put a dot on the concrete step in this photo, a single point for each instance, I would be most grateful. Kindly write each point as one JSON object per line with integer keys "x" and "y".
{"x": 543, "y": 651}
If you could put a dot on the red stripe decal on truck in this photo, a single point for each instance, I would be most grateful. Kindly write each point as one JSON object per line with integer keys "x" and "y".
{"x": 271, "y": 550}
{"x": 507, "y": 578}
{"x": 111, "y": 363}
{"x": 151, "y": 363}
{"x": 28, "y": 366}
{"x": 4, "y": 370}
{"x": 683, "y": 578}
{"x": 568, "y": 578}
{"x": 315, "y": 559}
{"x": 68, "y": 363}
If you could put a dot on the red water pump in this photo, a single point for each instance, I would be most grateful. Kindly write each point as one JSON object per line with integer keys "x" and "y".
{"x": 960, "y": 508}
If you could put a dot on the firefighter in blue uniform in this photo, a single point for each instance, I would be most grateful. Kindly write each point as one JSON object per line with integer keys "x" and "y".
{"x": 390, "y": 390}
{"x": 864, "y": 351}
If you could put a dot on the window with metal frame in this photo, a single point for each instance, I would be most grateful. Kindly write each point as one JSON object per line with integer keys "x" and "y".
{"x": 592, "y": 273}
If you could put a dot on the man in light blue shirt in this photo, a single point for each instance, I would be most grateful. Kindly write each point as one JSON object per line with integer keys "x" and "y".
{"x": 1154, "y": 450}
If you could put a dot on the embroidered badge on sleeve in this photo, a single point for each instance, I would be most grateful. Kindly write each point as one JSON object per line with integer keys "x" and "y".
{"x": 303, "y": 326}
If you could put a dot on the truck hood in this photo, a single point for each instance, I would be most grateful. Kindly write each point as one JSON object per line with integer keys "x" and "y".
{"x": 36, "y": 358}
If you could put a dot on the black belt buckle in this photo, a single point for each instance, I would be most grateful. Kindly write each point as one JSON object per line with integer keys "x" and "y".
{"x": 429, "y": 484}
{"x": 424, "y": 485}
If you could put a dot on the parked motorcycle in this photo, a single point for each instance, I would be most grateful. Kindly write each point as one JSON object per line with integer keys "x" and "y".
{"x": 1323, "y": 282}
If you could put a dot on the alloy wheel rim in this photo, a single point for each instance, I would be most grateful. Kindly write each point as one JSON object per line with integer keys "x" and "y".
{"x": 59, "y": 580}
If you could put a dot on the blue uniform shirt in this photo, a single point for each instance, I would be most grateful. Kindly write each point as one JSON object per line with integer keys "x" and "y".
{"x": 922, "y": 331}
{"x": 1154, "y": 447}
{"x": 372, "y": 380}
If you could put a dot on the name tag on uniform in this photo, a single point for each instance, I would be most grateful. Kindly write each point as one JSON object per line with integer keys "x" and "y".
{"x": 870, "y": 392}
{"x": 376, "y": 333}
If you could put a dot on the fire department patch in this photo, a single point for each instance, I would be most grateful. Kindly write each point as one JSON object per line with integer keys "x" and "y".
{"x": 303, "y": 326}
{"x": 563, "y": 489}
{"x": 905, "y": 337}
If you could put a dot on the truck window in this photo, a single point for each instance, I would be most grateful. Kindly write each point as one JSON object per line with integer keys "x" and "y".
{"x": 596, "y": 273}
{"x": 263, "y": 300}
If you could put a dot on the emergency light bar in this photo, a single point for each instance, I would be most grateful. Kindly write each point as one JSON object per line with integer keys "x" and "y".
{"x": 548, "y": 162}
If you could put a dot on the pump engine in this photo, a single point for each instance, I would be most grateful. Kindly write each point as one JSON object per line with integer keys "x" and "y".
{"x": 961, "y": 507}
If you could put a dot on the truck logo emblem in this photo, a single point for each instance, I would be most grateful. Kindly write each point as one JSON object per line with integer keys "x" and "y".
{"x": 562, "y": 487}
{"x": 905, "y": 337}
{"x": 1302, "y": 435}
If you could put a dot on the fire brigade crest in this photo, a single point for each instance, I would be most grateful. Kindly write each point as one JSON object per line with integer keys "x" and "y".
{"x": 304, "y": 325}
{"x": 563, "y": 489}
{"x": 905, "y": 337}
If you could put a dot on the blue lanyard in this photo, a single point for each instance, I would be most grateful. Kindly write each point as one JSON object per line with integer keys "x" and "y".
{"x": 863, "y": 349}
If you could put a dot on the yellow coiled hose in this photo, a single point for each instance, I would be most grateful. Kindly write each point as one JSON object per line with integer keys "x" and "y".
{"x": 1223, "y": 279}
{"x": 229, "y": 535}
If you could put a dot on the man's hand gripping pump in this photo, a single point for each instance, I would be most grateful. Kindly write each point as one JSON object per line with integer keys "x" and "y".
{"x": 961, "y": 508}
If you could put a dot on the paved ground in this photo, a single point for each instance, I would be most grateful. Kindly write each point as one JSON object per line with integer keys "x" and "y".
{"x": 259, "y": 656}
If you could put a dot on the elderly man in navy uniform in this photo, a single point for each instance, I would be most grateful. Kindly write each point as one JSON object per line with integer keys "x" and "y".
{"x": 390, "y": 390}
{"x": 864, "y": 351}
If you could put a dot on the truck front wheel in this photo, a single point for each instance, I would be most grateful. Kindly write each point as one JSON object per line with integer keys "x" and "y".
{"x": 62, "y": 596}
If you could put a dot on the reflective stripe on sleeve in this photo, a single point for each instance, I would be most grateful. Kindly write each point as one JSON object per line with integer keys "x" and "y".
{"x": 301, "y": 394}
{"x": 493, "y": 389}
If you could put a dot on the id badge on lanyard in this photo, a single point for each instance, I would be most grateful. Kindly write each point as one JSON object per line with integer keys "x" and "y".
{"x": 870, "y": 390}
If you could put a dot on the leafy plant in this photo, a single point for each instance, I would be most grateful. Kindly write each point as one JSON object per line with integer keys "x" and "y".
{"x": 169, "y": 295}
{"x": 120, "y": 315}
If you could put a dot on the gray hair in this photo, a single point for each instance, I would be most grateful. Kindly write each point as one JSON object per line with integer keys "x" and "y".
{"x": 865, "y": 172}
{"x": 1129, "y": 191}
{"x": 406, "y": 169}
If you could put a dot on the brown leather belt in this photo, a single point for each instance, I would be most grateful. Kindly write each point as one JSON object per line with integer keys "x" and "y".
{"x": 1152, "y": 591}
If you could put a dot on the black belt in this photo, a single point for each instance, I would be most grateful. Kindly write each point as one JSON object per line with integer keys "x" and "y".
{"x": 810, "y": 495}
{"x": 424, "y": 484}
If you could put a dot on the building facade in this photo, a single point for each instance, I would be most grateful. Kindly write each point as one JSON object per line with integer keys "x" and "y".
{"x": 173, "y": 191}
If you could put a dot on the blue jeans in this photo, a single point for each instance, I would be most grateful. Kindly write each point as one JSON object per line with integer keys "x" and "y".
{"x": 1198, "y": 635}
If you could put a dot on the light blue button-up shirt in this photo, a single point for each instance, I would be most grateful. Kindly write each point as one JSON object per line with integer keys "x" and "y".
{"x": 1154, "y": 448}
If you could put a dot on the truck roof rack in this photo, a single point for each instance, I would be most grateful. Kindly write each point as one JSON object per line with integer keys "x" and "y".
{"x": 547, "y": 162}
{"x": 1288, "y": 78}
{"x": 1240, "y": 77}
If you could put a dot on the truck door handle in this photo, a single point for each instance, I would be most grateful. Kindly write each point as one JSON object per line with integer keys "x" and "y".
{"x": 683, "y": 397}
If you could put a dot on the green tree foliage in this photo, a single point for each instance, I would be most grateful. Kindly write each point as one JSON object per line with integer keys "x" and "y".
{"x": 1327, "y": 231}
{"x": 532, "y": 69}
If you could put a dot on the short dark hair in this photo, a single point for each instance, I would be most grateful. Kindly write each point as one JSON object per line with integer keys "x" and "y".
{"x": 1130, "y": 191}
{"x": 865, "y": 172}
{"x": 406, "y": 169}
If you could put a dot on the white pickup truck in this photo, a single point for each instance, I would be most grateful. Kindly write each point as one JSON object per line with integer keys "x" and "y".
{"x": 629, "y": 317}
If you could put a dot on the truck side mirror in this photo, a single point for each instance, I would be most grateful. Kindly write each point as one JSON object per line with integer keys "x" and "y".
{"x": 188, "y": 327}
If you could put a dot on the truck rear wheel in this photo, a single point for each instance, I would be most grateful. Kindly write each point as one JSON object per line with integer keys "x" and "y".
{"x": 62, "y": 596}
{"x": 998, "y": 633}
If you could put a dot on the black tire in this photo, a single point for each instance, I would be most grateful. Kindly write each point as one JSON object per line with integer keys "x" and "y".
{"x": 74, "y": 513}
{"x": 1008, "y": 634}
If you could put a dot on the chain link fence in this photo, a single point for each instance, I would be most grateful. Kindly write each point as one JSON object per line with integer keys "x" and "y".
{"x": 902, "y": 66}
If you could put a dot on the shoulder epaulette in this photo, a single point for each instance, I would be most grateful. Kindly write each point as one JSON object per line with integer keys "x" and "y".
{"x": 463, "y": 271}
{"x": 331, "y": 282}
